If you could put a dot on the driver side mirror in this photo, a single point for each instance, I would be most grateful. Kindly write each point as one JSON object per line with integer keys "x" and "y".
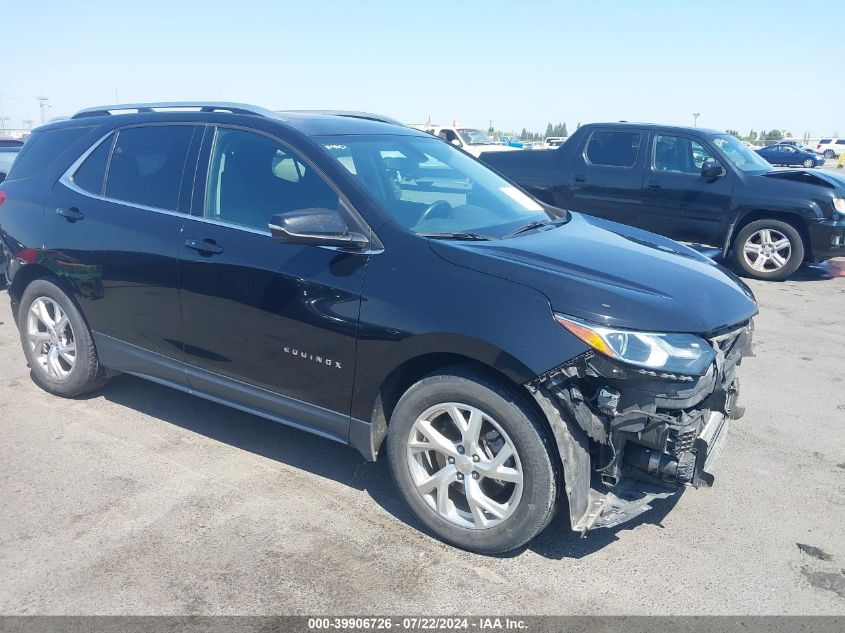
{"x": 317, "y": 227}
{"x": 712, "y": 169}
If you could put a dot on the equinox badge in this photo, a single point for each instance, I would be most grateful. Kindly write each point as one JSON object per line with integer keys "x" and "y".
{"x": 312, "y": 357}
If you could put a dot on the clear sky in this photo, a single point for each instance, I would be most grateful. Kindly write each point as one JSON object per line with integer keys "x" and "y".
{"x": 521, "y": 63}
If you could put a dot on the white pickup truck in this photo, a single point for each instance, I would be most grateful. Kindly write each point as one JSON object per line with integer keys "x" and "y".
{"x": 470, "y": 140}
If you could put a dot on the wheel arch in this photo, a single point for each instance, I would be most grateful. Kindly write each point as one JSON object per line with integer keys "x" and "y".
{"x": 752, "y": 215}
{"x": 413, "y": 368}
{"x": 25, "y": 275}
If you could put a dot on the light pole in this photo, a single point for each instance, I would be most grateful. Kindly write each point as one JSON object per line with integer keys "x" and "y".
{"x": 3, "y": 120}
{"x": 695, "y": 116}
{"x": 28, "y": 123}
{"x": 44, "y": 104}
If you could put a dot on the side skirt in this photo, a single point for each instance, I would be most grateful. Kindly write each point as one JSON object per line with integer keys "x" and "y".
{"x": 131, "y": 359}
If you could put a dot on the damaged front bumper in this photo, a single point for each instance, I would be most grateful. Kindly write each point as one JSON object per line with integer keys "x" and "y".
{"x": 628, "y": 436}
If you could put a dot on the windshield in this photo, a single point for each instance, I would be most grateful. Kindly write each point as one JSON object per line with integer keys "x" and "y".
{"x": 743, "y": 158}
{"x": 475, "y": 137}
{"x": 428, "y": 186}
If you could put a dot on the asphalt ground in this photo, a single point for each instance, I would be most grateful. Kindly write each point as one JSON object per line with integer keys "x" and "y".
{"x": 144, "y": 500}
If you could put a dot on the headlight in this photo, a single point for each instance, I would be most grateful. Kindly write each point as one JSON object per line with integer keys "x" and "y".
{"x": 839, "y": 204}
{"x": 669, "y": 353}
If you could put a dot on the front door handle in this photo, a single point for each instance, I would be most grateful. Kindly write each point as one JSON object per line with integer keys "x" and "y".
{"x": 206, "y": 247}
{"x": 580, "y": 178}
{"x": 654, "y": 184}
{"x": 71, "y": 214}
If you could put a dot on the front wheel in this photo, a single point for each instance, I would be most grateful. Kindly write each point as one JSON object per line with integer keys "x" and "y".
{"x": 768, "y": 249}
{"x": 473, "y": 461}
{"x": 829, "y": 153}
{"x": 809, "y": 162}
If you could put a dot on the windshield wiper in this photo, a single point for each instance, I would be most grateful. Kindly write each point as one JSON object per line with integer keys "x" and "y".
{"x": 469, "y": 237}
{"x": 536, "y": 224}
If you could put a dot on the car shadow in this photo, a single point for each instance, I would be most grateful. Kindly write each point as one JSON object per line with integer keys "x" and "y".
{"x": 340, "y": 463}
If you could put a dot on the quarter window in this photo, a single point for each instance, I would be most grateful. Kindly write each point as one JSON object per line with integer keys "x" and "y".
{"x": 679, "y": 155}
{"x": 147, "y": 164}
{"x": 613, "y": 149}
{"x": 92, "y": 174}
{"x": 252, "y": 178}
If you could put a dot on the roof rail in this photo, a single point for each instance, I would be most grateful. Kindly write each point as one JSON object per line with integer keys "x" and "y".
{"x": 354, "y": 114}
{"x": 202, "y": 106}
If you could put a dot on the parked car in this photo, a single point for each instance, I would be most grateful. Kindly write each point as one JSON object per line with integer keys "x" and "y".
{"x": 751, "y": 145}
{"x": 691, "y": 184}
{"x": 791, "y": 155}
{"x": 374, "y": 285}
{"x": 552, "y": 142}
{"x": 9, "y": 148}
{"x": 468, "y": 139}
{"x": 831, "y": 147}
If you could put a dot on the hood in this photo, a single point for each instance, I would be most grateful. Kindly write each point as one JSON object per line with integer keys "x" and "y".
{"x": 476, "y": 150}
{"x": 614, "y": 275}
{"x": 817, "y": 177}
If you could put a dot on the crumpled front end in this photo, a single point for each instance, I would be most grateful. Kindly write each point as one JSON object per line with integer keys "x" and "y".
{"x": 628, "y": 435}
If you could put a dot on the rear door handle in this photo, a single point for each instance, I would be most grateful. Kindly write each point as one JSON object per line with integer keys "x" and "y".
{"x": 654, "y": 184}
{"x": 206, "y": 247}
{"x": 580, "y": 178}
{"x": 71, "y": 214}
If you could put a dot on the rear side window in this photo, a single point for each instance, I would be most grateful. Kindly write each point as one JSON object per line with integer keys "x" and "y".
{"x": 91, "y": 175}
{"x": 42, "y": 148}
{"x": 147, "y": 163}
{"x": 613, "y": 149}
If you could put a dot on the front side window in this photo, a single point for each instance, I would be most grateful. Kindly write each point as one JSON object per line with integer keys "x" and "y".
{"x": 679, "y": 155}
{"x": 252, "y": 178}
{"x": 430, "y": 187}
{"x": 475, "y": 137}
{"x": 739, "y": 154}
{"x": 613, "y": 149}
{"x": 147, "y": 163}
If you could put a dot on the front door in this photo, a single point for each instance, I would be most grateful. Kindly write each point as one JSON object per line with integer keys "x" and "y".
{"x": 677, "y": 200}
{"x": 267, "y": 324}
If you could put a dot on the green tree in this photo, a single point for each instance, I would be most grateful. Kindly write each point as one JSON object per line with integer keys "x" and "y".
{"x": 564, "y": 132}
{"x": 733, "y": 133}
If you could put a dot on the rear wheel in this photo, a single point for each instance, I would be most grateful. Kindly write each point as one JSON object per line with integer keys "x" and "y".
{"x": 768, "y": 249}
{"x": 829, "y": 153}
{"x": 809, "y": 162}
{"x": 56, "y": 341}
{"x": 473, "y": 461}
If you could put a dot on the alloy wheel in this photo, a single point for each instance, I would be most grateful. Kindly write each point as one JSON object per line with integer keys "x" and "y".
{"x": 51, "y": 338}
{"x": 464, "y": 465}
{"x": 767, "y": 250}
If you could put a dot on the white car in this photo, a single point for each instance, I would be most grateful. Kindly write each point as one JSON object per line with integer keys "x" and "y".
{"x": 553, "y": 142}
{"x": 9, "y": 148}
{"x": 830, "y": 147}
{"x": 469, "y": 139}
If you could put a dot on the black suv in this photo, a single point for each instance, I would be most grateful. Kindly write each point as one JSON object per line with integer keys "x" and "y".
{"x": 694, "y": 185}
{"x": 362, "y": 280}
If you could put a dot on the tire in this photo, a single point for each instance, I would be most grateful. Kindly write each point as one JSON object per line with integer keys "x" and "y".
{"x": 522, "y": 505}
{"x": 58, "y": 370}
{"x": 760, "y": 239}
{"x": 809, "y": 163}
{"x": 829, "y": 153}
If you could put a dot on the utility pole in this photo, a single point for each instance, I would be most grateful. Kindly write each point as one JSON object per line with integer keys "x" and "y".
{"x": 695, "y": 116}
{"x": 28, "y": 123}
{"x": 3, "y": 120}
{"x": 44, "y": 105}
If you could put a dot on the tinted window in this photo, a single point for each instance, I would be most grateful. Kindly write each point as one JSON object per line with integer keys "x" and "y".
{"x": 92, "y": 173}
{"x": 42, "y": 148}
{"x": 824, "y": 141}
{"x": 840, "y": 142}
{"x": 679, "y": 155}
{"x": 614, "y": 149}
{"x": 147, "y": 164}
{"x": 252, "y": 178}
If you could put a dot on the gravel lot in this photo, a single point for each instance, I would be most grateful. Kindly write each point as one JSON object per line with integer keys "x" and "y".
{"x": 143, "y": 500}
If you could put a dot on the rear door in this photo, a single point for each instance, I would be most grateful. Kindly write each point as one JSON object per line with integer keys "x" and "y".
{"x": 606, "y": 175}
{"x": 677, "y": 200}
{"x": 267, "y": 324}
{"x": 112, "y": 230}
